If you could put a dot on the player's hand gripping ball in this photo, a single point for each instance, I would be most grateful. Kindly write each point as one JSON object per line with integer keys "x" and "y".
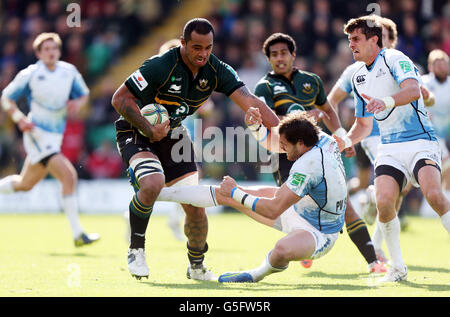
{"x": 155, "y": 113}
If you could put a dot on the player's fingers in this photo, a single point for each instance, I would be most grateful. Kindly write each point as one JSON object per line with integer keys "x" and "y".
{"x": 366, "y": 96}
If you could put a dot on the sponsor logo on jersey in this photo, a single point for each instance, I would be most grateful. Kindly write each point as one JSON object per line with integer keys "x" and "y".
{"x": 139, "y": 80}
{"x": 175, "y": 89}
{"x": 360, "y": 79}
{"x": 279, "y": 89}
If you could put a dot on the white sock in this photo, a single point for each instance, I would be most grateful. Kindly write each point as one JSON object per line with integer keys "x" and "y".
{"x": 70, "y": 207}
{"x": 391, "y": 234}
{"x": 265, "y": 269}
{"x": 6, "y": 184}
{"x": 445, "y": 220}
{"x": 377, "y": 237}
{"x": 198, "y": 195}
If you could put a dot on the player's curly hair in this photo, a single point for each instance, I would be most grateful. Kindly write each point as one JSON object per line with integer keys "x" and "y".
{"x": 279, "y": 38}
{"x": 370, "y": 26}
{"x": 299, "y": 126}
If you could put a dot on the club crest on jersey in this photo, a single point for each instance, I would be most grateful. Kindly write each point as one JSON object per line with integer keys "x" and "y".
{"x": 307, "y": 89}
{"x": 202, "y": 85}
{"x": 380, "y": 73}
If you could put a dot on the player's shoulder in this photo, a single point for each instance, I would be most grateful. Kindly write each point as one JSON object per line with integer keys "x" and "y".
{"x": 160, "y": 62}
{"x": 350, "y": 69}
{"x": 391, "y": 54}
{"x": 309, "y": 161}
{"x": 303, "y": 74}
{"x": 264, "y": 82}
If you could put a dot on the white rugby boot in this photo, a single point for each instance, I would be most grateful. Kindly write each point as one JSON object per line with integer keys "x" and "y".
{"x": 395, "y": 275}
{"x": 200, "y": 272}
{"x": 137, "y": 264}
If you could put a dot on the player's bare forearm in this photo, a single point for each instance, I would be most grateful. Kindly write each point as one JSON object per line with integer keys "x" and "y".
{"x": 126, "y": 105}
{"x": 409, "y": 92}
{"x": 331, "y": 119}
{"x": 360, "y": 129}
{"x": 245, "y": 99}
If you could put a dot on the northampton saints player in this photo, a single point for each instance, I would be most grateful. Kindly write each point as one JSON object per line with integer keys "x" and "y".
{"x": 286, "y": 89}
{"x": 181, "y": 80}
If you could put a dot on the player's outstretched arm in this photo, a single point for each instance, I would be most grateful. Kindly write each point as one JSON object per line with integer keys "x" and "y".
{"x": 270, "y": 208}
{"x": 245, "y": 99}
{"x": 359, "y": 130}
{"x": 125, "y": 104}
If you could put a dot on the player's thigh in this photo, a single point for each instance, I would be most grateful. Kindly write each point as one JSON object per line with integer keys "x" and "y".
{"x": 62, "y": 169}
{"x": 30, "y": 175}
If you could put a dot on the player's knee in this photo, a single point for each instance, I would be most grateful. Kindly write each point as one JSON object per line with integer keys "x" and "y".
{"x": 150, "y": 186}
{"x": 384, "y": 200}
{"x": 433, "y": 195}
{"x": 282, "y": 251}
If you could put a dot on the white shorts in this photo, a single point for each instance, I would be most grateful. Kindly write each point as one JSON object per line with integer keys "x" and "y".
{"x": 404, "y": 156}
{"x": 444, "y": 151}
{"x": 39, "y": 144}
{"x": 370, "y": 147}
{"x": 291, "y": 220}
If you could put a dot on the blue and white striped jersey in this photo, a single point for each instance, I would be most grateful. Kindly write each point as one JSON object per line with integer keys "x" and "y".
{"x": 345, "y": 83}
{"x": 318, "y": 176}
{"x": 47, "y": 93}
{"x": 383, "y": 78}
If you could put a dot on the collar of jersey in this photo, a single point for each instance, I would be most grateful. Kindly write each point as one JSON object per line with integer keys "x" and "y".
{"x": 294, "y": 71}
{"x": 370, "y": 67}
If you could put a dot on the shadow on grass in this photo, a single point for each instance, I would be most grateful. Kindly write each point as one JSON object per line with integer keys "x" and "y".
{"x": 68, "y": 254}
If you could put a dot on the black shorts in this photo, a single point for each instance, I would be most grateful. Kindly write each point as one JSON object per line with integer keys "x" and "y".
{"x": 284, "y": 167}
{"x": 130, "y": 141}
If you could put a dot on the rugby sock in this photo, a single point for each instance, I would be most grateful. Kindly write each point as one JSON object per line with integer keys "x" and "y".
{"x": 195, "y": 256}
{"x": 139, "y": 218}
{"x": 445, "y": 220}
{"x": 377, "y": 237}
{"x": 391, "y": 234}
{"x": 357, "y": 231}
{"x": 70, "y": 207}
{"x": 6, "y": 184}
{"x": 265, "y": 269}
{"x": 198, "y": 195}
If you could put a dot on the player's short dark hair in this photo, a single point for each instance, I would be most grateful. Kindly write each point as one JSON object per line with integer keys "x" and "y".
{"x": 199, "y": 25}
{"x": 279, "y": 38}
{"x": 370, "y": 26}
{"x": 299, "y": 126}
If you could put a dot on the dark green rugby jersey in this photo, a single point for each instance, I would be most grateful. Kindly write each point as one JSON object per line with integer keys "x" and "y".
{"x": 165, "y": 79}
{"x": 280, "y": 93}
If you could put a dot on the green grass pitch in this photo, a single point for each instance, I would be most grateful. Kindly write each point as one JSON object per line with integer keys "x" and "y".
{"x": 38, "y": 259}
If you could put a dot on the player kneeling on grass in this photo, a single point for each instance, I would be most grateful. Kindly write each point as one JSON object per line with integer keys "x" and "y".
{"x": 312, "y": 201}
{"x": 309, "y": 207}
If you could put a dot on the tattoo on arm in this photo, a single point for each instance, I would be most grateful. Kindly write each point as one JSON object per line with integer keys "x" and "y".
{"x": 128, "y": 108}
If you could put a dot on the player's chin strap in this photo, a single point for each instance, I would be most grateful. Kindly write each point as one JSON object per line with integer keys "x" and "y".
{"x": 343, "y": 135}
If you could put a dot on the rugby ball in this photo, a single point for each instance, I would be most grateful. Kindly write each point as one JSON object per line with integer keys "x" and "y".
{"x": 155, "y": 113}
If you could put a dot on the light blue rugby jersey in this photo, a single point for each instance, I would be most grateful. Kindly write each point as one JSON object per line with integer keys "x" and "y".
{"x": 318, "y": 176}
{"x": 47, "y": 93}
{"x": 345, "y": 83}
{"x": 383, "y": 78}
